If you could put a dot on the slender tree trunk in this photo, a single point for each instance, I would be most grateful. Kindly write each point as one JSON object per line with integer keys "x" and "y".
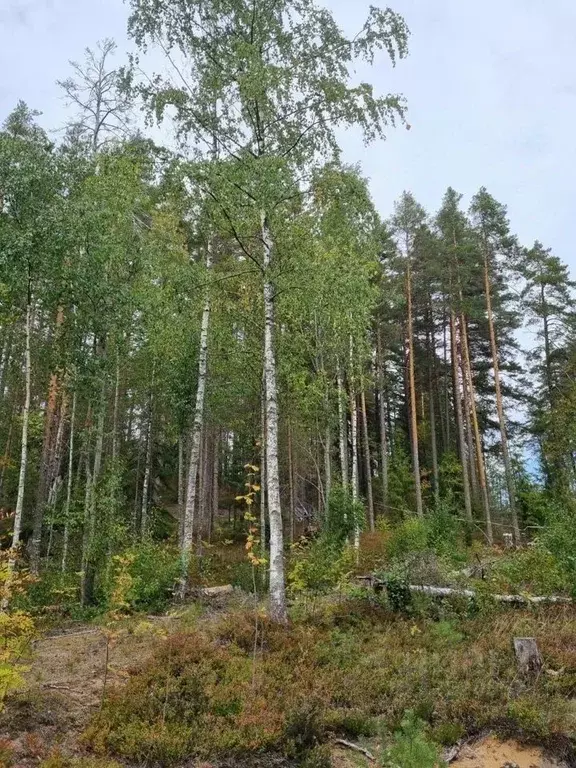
{"x": 431, "y": 338}
{"x": 277, "y": 584}
{"x": 466, "y": 409}
{"x": 92, "y": 479}
{"x": 263, "y": 526}
{"x": 195, "y": 439}
{"x": 547, "y": 346}
{"x": 367, "y": 460}
{"x": 458, "y": 415}
{"x": 205, "y": 485}
{"x": 180, "y": 490}
{"x": 25, "y": 421}
{"x": 147, "y": 472}
{"x": 500, "y": 406}
{"x": 291, "y": 485}
{"x": 446, "y": 423}
{"x": 354, "y": 436}
{"x": 327, "y": 466}
{"x": 382, "y": 420}
{"x": 342, "y": 429}
{"x": 412, "y": 394}
{"x": 5, "y": 361}
{"x": 50, "y": 427}
{"x": 116, "y": 409}
{"x": 480, "y": 464}
{"x": 65, "y": 543}
{"x": 7, "y": 450}
{"x": 215, "y": 483}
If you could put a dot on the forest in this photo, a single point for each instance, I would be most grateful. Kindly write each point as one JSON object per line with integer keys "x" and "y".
{"x": 250, "y": 425}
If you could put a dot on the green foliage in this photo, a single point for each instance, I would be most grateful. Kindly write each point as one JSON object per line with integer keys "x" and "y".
{"x": 409, "y": 536}
{"x": 343, "y": 516}
{"x": 237, "y": 687}
{"x": 319, "y": 566}
{"x": 143, "y": 577}
{"x": 535, "y": 570}
{"x": 17, "y": 627}
{"x": 58, "y": 760}
{"x": 559, "y": 538}
{"x": 412, "y": 747}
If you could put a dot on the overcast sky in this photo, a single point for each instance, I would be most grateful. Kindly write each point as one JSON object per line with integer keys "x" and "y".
{"x": 491, "y": 89}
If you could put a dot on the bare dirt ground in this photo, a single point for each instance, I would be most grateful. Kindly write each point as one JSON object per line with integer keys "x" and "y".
{"x": 492, "y": 753}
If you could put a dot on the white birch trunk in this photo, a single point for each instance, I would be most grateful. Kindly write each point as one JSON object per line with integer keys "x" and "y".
{"x": 354, "y": 435}
{"x": 147, "y": 471}
{"x": 263, "y": 538}
{"x": 342, "y": 431}
{"x": 367, "y": 461}
{"x": 277, "y": 584}
{"x": 25, "y": 421}
{"x": 195, "y": 439}
{"x": 327, "y": 467}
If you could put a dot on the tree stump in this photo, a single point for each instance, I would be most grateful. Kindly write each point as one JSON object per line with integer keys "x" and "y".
{"x": 527, "y": 655}
{"x": 508, "y": 541}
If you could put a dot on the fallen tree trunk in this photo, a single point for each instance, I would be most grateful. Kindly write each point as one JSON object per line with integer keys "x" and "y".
{"x": 471, "y": 593}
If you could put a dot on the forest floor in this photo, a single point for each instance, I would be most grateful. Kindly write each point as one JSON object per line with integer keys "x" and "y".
{"x": 72, "y": 667}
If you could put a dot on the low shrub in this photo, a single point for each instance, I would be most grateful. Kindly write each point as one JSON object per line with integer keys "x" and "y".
{"x": 143, "y": 578}
{"x": 412, "y": 747}
{"x": 535, "y": 570}
{"x": 319, "y": 566}
{"x": 243, "y": 685}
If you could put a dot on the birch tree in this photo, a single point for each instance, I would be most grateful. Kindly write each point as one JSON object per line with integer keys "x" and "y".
{"x": 281, "y": 74}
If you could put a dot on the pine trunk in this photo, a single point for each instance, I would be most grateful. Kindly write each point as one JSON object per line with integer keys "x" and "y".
{"x": 382, "y": 420}
{"x": 480, "y": 464}
{"x": 412, "y": 395}
{"x": 474, "y": 489}
{"x": 70, "y": 479}
{"x": 510, "y": 484}
{"x": 458, "y": 415}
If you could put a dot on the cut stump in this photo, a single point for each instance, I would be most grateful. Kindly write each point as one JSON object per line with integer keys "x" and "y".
{"x": 527, "y": 655}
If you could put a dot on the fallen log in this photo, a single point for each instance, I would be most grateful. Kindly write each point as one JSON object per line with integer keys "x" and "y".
{"x": 470, "y": 593}
{"x": 225, "y": 589}
{"x": 356, "y": 748}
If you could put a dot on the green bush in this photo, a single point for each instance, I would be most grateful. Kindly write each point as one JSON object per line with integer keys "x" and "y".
{"x": 143, "y": 577}
{"x": 412, "y": 747}
{"x": 411, "y": 535}
{"x": 535, "y": 570}
{"x": 559, "y": 538}
{"x": 319, "y": 566}
{"x": 343, "y": 516}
